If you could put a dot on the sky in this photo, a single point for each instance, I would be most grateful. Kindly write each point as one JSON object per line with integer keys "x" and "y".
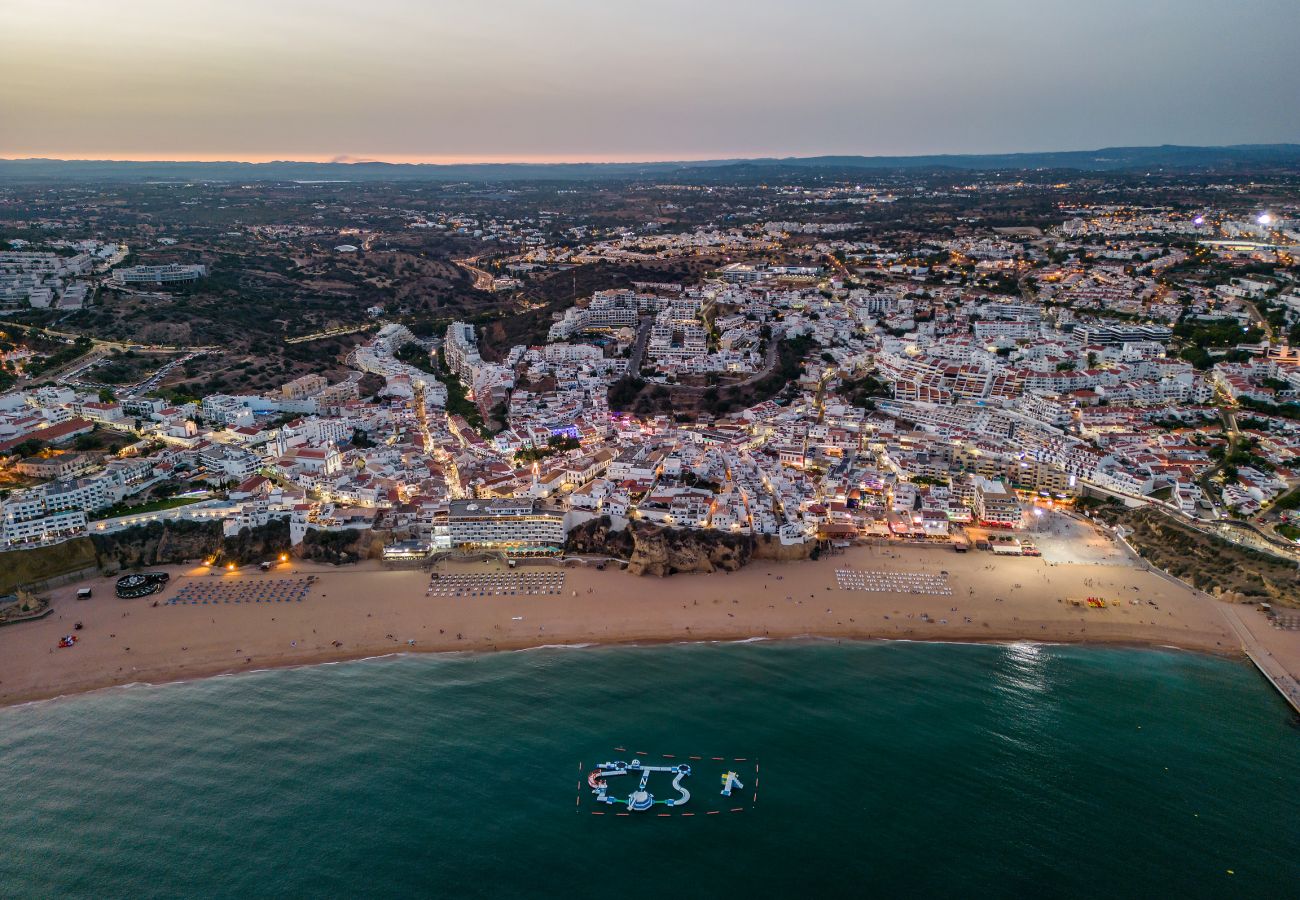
{"x": 614, "y": 80}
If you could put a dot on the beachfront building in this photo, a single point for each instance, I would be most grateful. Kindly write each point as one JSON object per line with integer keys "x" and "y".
{"x": 512, "y": 525}
{"x": 40, "y": 526}
{"x": 995, "y": 505}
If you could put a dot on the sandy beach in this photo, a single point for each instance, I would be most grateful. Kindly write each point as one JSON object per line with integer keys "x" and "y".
{"x": 368, "y": 610}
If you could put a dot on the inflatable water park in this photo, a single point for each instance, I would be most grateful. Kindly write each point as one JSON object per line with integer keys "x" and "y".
{"x": 639, "y": 786}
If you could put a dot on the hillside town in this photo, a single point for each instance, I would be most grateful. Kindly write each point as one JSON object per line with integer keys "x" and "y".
{"x": 801, "y": 383}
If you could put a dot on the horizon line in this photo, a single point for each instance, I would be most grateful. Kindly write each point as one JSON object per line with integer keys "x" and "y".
{"x": 565, "y": 159}
{"x": 395, "y": 159}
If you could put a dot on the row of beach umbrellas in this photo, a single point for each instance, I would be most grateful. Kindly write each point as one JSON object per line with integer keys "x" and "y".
{"x": 892, "y": 582}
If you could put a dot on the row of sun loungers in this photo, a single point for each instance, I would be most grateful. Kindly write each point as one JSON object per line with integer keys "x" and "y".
{"x": 893, "y": 582}
{"x": 494, "y": 584}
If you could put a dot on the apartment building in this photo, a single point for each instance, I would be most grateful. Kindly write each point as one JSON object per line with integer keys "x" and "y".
{"x": 505, "y": 524}
{"x": 995, "y": 505}
{"x": 303, "y": 387}
{"x": 460, "y": 347}
{"x": 1121, "y": 333}
{"x": 171, "y": 273}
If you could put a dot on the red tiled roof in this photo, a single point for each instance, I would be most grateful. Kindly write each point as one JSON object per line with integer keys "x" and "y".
{"x": 53, "y": 433}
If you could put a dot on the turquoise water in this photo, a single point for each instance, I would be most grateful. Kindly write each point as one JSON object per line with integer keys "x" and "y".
{"x": 887, "y": 770}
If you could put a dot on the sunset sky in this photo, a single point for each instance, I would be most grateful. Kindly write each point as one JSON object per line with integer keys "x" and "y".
{"x": 548, "y": 80}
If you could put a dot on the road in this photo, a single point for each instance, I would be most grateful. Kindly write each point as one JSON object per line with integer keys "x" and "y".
{"x": 431, "y": 446}
{"x": 1026, "y": 292}
{"x": 332, "y": 332}
{"x": 839, "y": 266}
{"x": 1262, "y": 322}
{"x": 819, "y": 398}
{"x": 99, "y": 349}
{"x": 101, "y": 343}
{"x": 71, "y": 375}
{"x": 482, "y": 279}
{"x": 148, "y": 384}
{"x": 638, "y": 349}
{"x": 1246, "y": 534}
{"x": 70, "y": 371}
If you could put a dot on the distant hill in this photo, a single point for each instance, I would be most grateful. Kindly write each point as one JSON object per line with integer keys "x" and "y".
{"x": 1111, "y": 159}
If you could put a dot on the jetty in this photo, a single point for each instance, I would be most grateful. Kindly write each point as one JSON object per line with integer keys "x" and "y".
{"x": 1268, "y": 665}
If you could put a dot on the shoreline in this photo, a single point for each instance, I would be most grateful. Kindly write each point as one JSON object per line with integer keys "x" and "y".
{"x": 344, "y": 659}
{"x": 366, "y": 611}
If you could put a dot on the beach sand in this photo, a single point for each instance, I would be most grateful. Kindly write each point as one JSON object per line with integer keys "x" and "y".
{"x": 370, "y": 610}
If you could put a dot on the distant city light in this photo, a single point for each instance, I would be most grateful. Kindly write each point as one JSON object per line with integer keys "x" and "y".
{"x": 1199, "y": 220}
{"x": 1264, "y": 219}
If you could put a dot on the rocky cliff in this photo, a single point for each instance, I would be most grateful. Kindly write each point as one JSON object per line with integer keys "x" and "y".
{"x": 162, "y": 543}
{"x": 769, "y": 547}
{"x": 596, "y": 538}
{"x": 667, "y": 551}
{"x": 155, "y": 544}
{"x": 340, "y": 547}
{"x": 652, "y": 550}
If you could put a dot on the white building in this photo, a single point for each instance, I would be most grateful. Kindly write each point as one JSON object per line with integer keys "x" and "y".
{"x": 167, "y": 274}
{"x": 505, "y": 525}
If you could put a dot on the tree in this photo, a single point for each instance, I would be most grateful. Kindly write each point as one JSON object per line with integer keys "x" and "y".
{"x": 623, "y": 393}
{"x": 29, "y": 447}
{"x": 166, "y": 490}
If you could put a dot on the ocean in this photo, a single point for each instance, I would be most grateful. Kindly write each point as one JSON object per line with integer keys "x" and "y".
{"x": 887, "y": 769}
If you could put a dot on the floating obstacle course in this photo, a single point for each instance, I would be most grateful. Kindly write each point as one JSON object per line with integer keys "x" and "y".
{"x": 626, "y": 788}
{"x": 729, "y": 783}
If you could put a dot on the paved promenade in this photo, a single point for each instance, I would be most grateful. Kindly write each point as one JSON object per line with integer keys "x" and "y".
{"x": 1274, "y": 652}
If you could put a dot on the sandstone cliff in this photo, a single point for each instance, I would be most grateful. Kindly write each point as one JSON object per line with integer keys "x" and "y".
{"x": 162, "y": 543}
{"x": 653, "y": 550}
